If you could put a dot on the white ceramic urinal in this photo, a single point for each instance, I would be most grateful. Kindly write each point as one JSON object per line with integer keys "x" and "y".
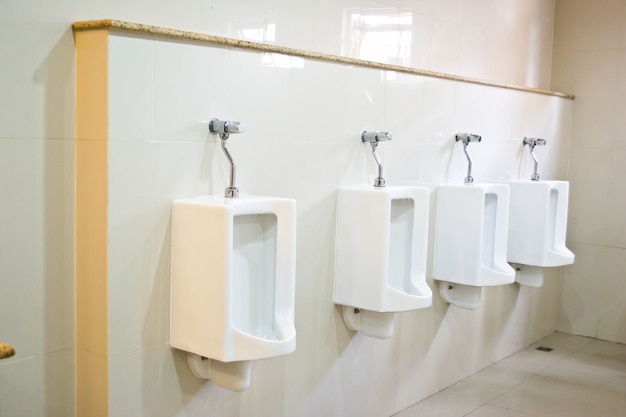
{"x": 471, "y": 238}
{"x": 470, "y": 241}
{"x": 380, "y": 254}
{"x": 537, "y": 225}
{"x": 233, "y": 279}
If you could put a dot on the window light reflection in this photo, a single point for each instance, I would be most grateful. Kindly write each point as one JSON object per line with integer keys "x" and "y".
{"x": 379, "y": 35}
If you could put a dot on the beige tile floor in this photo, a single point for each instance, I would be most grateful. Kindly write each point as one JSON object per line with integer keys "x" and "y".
{"x": 581, "y": 377}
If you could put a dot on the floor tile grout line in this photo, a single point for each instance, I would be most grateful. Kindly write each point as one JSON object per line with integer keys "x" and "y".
{"x": 562, "y": 353}
{"x": 505, "y": 408}
{"x": 524, "y": 380}
{"x": 567, "y": 354}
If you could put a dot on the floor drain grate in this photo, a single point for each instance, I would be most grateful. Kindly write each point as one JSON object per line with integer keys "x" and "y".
{"x": 544, "y": 348}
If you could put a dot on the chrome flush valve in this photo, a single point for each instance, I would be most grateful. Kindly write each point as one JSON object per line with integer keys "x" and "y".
{"x": 532, "y": 142}
{"x": 224, "y": 128}
{"x": 467, "y": 138}
{"x": 373, "y": 138}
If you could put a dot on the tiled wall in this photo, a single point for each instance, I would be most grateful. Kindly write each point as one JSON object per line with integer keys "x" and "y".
{"x": 590, "y": 61}
{"x": 36, "y": 216}
{"x": 505, "y": 41}
{"x": 304, "y": 122}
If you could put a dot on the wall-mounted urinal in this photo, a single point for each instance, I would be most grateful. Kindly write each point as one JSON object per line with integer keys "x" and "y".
{"x": 233, "y": 279}
{"x": 380, "y": 251}
{"x": 471, "y": 237}
{"x": 537, "y": 224}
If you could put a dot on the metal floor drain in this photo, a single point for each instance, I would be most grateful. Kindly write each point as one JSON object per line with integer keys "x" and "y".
{"x": 544, "y": 348}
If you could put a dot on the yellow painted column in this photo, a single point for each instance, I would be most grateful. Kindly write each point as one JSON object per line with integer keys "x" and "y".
{"x": 92, "y": 344}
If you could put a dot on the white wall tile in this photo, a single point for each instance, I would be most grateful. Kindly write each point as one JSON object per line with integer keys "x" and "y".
{"x": 258, "y": 84}
{"x": 544, "y": 312}
{"x": 446, "y": 47}
{"x": 362, "y": 108}
{"x": 476, "y": 12}
{"x": 131, "y": 69}
{"x": 238, "y": 18}
{"x": 596, "y": 74}
{"x": 316, "y": 104}
{"x": 330, "y": 21}
{"x": 311, "y": 373}
{"x": 131, "y": 284}
{"x": 54, "y": 81}
{"x": 598, "y": 27}
{"x": 157, "y": 382}
{"x": 54, "y": 245}
{"x": 611, "y": 310}
{"x": 191, "y": 86}
{"x": 451, "y": 10}
{"x": 437, "y": 120}
{"x": 404, "y": 97}
{"x": 215, "y": 18}
{"x": 17, "y": 228}
{"x": 295, "y": 23}
{"x": 596, "y": 112}
{"x": 473, "y": 57}
{"x": 17, "y": 108}
{"x": 459, "y": 345}
{"x": 615, "y": 229}
{"x": 263, "y": 399}
{"x": 373, "y": 389}
{"x": 418, "y": 364}
{"x": 19, "y": 380}
{"x": 589, "y": 57}
{"x": 421, "y": 40}
{"x": 581, "y": 295}
{"x": 589, "y": 195}
{"x": 185, "y": 16}
{"x": 41, "y": 386}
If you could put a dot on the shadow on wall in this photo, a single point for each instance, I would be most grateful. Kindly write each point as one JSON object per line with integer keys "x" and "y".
{"x": 54, "y": 182}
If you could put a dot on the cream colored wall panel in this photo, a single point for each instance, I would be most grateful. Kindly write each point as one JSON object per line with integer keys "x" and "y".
{"x": 92, "y": 331}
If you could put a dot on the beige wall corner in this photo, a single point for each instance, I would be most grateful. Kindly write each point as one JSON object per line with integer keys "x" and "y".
{"x": 91, "y": 223}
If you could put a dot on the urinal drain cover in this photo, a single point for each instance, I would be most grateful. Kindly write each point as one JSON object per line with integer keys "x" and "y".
{"x": 544, "y": 348}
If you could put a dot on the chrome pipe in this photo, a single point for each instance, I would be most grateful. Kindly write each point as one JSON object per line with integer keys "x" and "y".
{"x": 224, "y": 128}
{"x": 532, "y": 142}
{"x": 374, "y": 138}
{"x": 467, "y": 138}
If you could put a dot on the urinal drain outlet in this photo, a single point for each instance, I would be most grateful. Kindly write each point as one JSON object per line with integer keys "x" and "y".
{"x": 544, "y": 348}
